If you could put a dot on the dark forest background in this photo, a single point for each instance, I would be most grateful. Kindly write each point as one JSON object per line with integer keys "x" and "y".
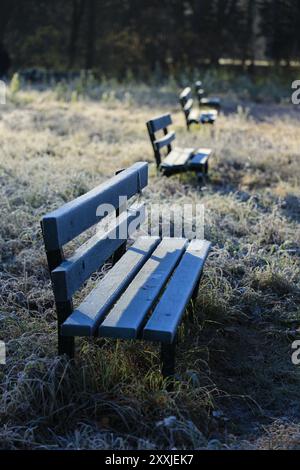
{"x": 114, "y": 36}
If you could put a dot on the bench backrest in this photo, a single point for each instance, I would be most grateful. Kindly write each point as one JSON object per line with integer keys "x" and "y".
{"x": 74, "y": 218}
{"x": 157, "y": 124}
{"x": 186, "y": 101}
{"x": 199, "y": 90}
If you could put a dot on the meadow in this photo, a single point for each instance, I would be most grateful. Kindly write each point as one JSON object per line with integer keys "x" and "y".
{"x": 236, "y": 386}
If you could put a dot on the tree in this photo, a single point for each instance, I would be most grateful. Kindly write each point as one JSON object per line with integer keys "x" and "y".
{"x": 278, "y": 27}
{"x": 147, "y": 36}
{"x": 7, "y": 10}
{"x": 90, "y": 36}
{"x": 78, "y": 8}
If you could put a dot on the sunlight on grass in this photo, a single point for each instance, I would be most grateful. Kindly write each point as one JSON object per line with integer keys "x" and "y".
{"x": 235, "y": 379}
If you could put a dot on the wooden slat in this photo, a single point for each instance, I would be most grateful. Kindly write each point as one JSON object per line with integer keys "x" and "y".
{"x": 127, "y": 316}
{"x": 200, "y": 157}
{"x": 194, "y": 117}
{"x": 200, "y": 94}
{"x": 203, "y": 117}
{"x": 184, "y": 156}
{"x": 164, "y": 321}
{"x": 86, "y": 318}
{"x": 67, "y": 222}
{"x": 177, "y": 157}
{"x": 160, "y": 122}
{"x": 186, "y": 94}
{"x": 188, "y": 105}
{"x": 208, "y": 116}
{"x": 73, "y": 272}
{"x": 210, "y": 102}
{"x": 166, "y": 140}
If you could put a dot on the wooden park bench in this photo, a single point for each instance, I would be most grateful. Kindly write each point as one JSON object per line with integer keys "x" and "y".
{"x": 193, "y": 116}
{"x": 204, "y": 101}
{"x": 145, "y": 294}
{"x": 176, "y": 159}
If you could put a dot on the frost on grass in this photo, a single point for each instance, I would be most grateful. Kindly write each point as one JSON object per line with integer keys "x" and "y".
{"x": 237, "y": 387}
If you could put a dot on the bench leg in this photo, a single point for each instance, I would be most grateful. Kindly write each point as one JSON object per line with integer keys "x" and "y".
{"x": 167, "y": 356}
{"x": 66, "y": 345}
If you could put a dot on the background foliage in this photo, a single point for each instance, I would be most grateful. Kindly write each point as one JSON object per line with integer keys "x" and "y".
{"x": 114, "y": 36}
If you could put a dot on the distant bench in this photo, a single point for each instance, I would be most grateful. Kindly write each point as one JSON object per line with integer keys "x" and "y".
{"x": 210, "y": 102}
{"x": 193, "y": 116}
{"x": 144, "y": 295}
{"x": 176, "y": 159}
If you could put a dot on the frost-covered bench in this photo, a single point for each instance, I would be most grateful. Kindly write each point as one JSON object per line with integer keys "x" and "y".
{"x": 206, "y": 101}
{"x": 144, "y": 295}
{"x": 192, "y": 116}
{"x": 176, "y": 159}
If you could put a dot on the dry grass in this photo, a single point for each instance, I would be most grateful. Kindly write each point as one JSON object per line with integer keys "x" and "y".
{"x": 237, "y": 387}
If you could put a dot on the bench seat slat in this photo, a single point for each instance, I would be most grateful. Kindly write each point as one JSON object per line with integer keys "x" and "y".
{"x": 166, "y": 140}
{"x": 166, "y": 317}
{"x": 212, "y": 101}
{"x": 177, "y": 157}
{"x": 199, "y": 158}
{"x": 127, "y": 316}
{"x": 194, "y": 117}
{"x": 70, "y": 220}
{"x": 204, "y": 116}
{"x": 69, "y": 276}
{"x": 208, "y": 116}
{"x": 86, "y": 318}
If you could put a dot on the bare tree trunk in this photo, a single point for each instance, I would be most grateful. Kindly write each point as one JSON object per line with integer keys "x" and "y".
{"x": 77, "y": 14}
{"x": 6, "y": 10}
{"x": 248, "y": 52}
{"x": 90, "y": 43}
